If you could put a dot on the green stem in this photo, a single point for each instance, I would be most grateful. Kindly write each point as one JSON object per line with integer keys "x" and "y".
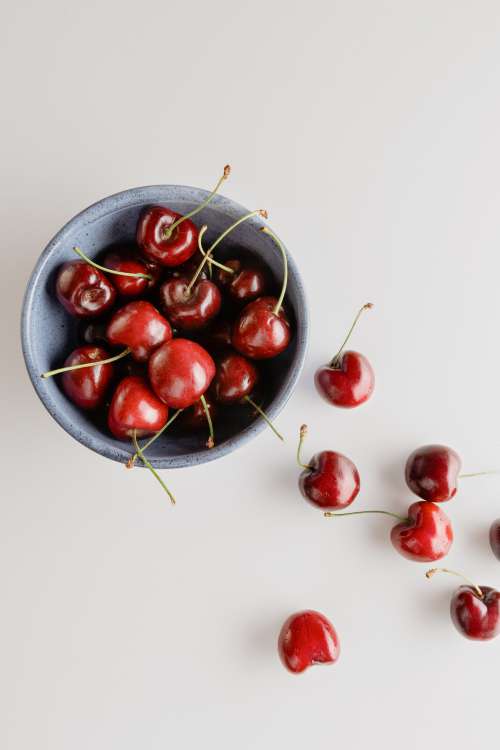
{"x": 302, "y": 435}
{"x": 150, "y": 442}
{"x": 278, "y": 242}
{"x": 202, "y": 264}
{"x": 478, "y": 474}
{"x": 336, "y": 359}
{"x": 111, "y": 270}
{"x": 50, "y": 373}
{"x": 264, "y": 417}
{"x": 213, "y": 262}
{"x": 258, "y": 212}
{"x": 473, "y": 585}
{"x": 150, "y": 467}
{"x": 330, "y": 514}
{"x": 168, "y": 232}
{"x": 211, "y": 439}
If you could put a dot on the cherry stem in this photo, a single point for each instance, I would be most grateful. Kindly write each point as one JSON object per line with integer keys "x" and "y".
{"x": 278, "y": 242}
{"x": 202, "y": 264}
{"x": 264, "y": 417}
{"x": 211, "y": 439}
{"x": 169, "y": 230}
{"x": 336, "y": 359}
{"x": 433, "y": 571}
{"x": 50, "y": 373}
{"x": 150, "y": 442}
{"x": 302, "y": 435}
{"x": 150, "y": 467}
{"x": 111, "y": 270}
{"x": 478, "y": 474}
{"x": 330, "y": 514}
{"x": 213, "y": 262}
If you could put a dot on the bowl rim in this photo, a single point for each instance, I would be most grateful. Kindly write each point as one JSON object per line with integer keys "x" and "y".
{"x": 139, "y": 196}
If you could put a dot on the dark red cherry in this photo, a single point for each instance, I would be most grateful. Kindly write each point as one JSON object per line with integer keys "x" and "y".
{"x": 157, "y": 245}
{"x": 307, "y": 638}
{"x": 348, "y": 383}
{"x": 189, "y": 309}
{"x": 83, "y": 290}
{"x": 495, "y": 538}
{"x": 426, "y": 535}
{"x": 476, "y": 617}
{"x": 261, "y": 331}
{"x": 126, "y": 262}
{"x": 195, "y": 417}
{"x": 134, "y": 407}
{"x": 432, "y": 472}
{"x": 87, "y": 387}
{"x": 245, "y": 284}
{"x": 139, "y": 326}
{"x": 331, "y": 481}
{"x": 235, "y": 378}
{"x": 180, "y": 372}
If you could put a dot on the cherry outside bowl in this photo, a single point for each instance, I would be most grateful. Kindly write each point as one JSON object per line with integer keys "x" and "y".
{"x": 49, "y": 333}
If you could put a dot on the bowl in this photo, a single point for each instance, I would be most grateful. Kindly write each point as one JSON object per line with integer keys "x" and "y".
{"x": 49, "y": 333}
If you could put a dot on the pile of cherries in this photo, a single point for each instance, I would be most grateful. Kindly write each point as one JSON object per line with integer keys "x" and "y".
{"x": 330, "y": 481}
{"x": 189, "y": 328}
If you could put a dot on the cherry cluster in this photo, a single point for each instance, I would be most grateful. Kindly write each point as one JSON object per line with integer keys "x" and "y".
{"x": 330, "y": 481}
{"x": 189, "y": 328}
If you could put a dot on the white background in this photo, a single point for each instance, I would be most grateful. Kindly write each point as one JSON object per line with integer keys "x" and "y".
{"x": 370, "y": 131}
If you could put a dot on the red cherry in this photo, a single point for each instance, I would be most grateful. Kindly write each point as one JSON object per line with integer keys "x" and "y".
{"x": 188, "y": 308}
{"x": 126, "y": 261}
{"x": 349, "y": 379}
{"x": 243, "y": 283}
{"x": 83, "y": 290}
{"x": 474, "y": 610}
{"x": 157, "y": 245}
{"x": 495, "y": 538}
{"x": 86, "y": 387}
{"x": 329, "y": 480}
{"x": 134, "y": 407}
{"x": 139, "y": 326}
{"x": 261, "y": 331}
{"x": 180, "y": 372}
{"x": 235, "y": 378}
{"x": 426, "y": 535}
{"x": 432, "y": 472}
{"x": 307, "y": 638}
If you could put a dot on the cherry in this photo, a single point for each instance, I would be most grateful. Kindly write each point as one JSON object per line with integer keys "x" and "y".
{"x": 307, "y": 638}
{"x": 83, "y": 290}
{"x": 83, "y": 365}
{"x": 126, "y": 261}
{"x": 135, "y": 409}
{"x": 424, "y": 535}
{"x": 348, "y": 380}
{"x": 180, "y": 372}
{"x": 474, "y": 610}
{"x": 87, "y": 386}
{"x": 495, "y": 538}
{"x": 139, "y": 326}
{"x": 329, "y": 480}
{"x": 166, "y": 236}
{"x": 262, "y": 330}
{"x": 243, "y": 283}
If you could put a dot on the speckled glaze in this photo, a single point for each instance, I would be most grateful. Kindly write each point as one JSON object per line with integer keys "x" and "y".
{"x": 49, "y": 333}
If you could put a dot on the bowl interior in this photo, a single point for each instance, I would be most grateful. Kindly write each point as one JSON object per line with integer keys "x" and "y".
{"x": 49, "y": 333}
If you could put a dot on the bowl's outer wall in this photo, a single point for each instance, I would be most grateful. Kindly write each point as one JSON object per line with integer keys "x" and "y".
{"x": 49, "y": 333}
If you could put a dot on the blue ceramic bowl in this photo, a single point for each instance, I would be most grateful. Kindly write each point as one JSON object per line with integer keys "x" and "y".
{"x": 49, "y": 333}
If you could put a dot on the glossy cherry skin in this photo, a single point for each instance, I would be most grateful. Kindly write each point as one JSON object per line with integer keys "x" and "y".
{"x": 307, "y": 638}
{"x": 495, "y": 538}
{"x": 432, "y": 472}
{"x": 87, "y": 387}
{"x": 83, "y": 290}
{"x": 134, "y": 406}
{"x": 348, "y": 385}
{"x": 259, "y": 332}
{"x": 190, "y": 310}
{"x": 245, "y": 284}
{"x": 235, "y": 378}
{"x": 139, "y": 326}
{"x": 332, "y": 481}
{"x": 195, "y": 418}
{"x": 426, "y": 536}
{"x": 180, "y": 372}
{"x": 474, "y": 617}
{"x": 125, "y": 261}
{"x": 167, "y": 251}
